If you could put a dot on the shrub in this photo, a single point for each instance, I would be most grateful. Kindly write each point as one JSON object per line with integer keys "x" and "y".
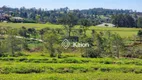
{"x": 7, "y": 59}
{"x": 64, "y": 70}
{"x": 106, "y": 25}
{"x": 23, "y": 59}
{"x": 90, "y": 52}
{"x": 84, "y": 70}
{"x": 19, "y": 54}
{"x": 105, "y": 69}
{"x": 22, "y": 69}
{"x": 70, "y": 60}
{"x": 138, "y": 71}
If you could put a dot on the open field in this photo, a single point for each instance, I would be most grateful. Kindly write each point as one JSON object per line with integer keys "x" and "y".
{"x": 124, "y": 32}
{"x": 69, "y": 67}
{"x": 29, "y": 25}
{"x": 75, "y": 76}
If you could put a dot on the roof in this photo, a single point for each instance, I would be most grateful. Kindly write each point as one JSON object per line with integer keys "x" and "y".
{"x": 18, "y": 18}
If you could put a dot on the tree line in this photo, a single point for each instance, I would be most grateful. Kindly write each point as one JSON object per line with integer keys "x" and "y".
{"x": 95, "y": 16}
{"x": 124, "y": 20}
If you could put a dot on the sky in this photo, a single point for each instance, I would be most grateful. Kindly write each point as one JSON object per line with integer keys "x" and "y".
{"x": 74, "y": 4}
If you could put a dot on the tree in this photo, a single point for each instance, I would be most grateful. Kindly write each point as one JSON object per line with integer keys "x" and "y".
{"x": 3, "y": 30}
{"x": 93, "y": 34}
{"x": 139, "y": 23}
{"x": 85, "y": 23}
{"x": 43, "y": 31}
{"x": 50, "y": 42}
{"x": 140, "y": 35}
{"x": 38, "y": 18}
{"x": 108, "y": 39}
{"x": 123, "y": 20}
{"x": 99, "y": 43}
{"x": 32, "y": 32}
{"x": 3, "y": 47}
{"x": 69, "y": 21}
{"x": 23, "y": 32}
{"x": 117, "y": 43}
{"x": 14, "y": 43}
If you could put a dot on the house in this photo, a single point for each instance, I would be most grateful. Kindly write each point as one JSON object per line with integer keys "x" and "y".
{"x": 17, "y": 19}
{"x": 1, "y": 10}
{"x": 3, "y": 16}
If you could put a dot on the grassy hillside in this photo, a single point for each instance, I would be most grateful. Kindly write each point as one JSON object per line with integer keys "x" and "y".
{"x": 69, "y": 67}
{"x": 29, "y": 25}
{"x": 124, "y": 32}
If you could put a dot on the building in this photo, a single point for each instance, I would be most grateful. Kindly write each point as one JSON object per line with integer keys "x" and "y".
{"x": 106, "y": 25}
{"x": 17, "y": 19}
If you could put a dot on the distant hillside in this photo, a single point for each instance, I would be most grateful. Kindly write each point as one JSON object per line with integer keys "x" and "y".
{"x": 95, "y": 15}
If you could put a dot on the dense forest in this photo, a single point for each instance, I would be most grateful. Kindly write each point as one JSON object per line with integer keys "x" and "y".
{"x": 95, "y": 16}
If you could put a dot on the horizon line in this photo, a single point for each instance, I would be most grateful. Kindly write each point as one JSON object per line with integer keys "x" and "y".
{"x": 69, "y": 8}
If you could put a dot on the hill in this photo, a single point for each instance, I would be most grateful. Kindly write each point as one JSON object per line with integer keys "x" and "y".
{"x": 95, "y": 16}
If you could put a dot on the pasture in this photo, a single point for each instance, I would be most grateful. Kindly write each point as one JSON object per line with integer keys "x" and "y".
{"x": 124, "y": 32}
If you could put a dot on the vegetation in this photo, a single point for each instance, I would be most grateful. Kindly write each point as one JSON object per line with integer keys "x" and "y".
{"x": 36, "y": 51}
{"x": 123, "y": 21}
{"x": 94, "y": 16}
{"x": 139, "y": 23}
{"x": 104, "y": 43}
{"x": 44, "y": 67}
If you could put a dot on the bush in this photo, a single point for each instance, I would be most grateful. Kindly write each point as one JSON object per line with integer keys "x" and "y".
{"x": 64, "y": 70}
{"x": 70, "y": 60}
{"x": 19, "y": 54}
{"x": 1, "y": 54}
{"x": 138, "y": 71}
{"x": 90, "y": 52}
{"x": 105, "y": 69}
{"x": 22, "y": 69}
{"x": 23, "y": 59}
{"x": 7, "y": 59}
{"x": 106, "y": 25}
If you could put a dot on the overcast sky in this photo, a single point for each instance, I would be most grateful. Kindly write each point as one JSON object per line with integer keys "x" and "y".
{"x": 75, "y": 4}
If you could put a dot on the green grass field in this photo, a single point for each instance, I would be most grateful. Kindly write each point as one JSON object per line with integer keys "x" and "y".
{"x": 29, "y": 25}
{"x": 124, "y": 32}
{"x": 69, "y": 67}
{"x": 75, "y": 76}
